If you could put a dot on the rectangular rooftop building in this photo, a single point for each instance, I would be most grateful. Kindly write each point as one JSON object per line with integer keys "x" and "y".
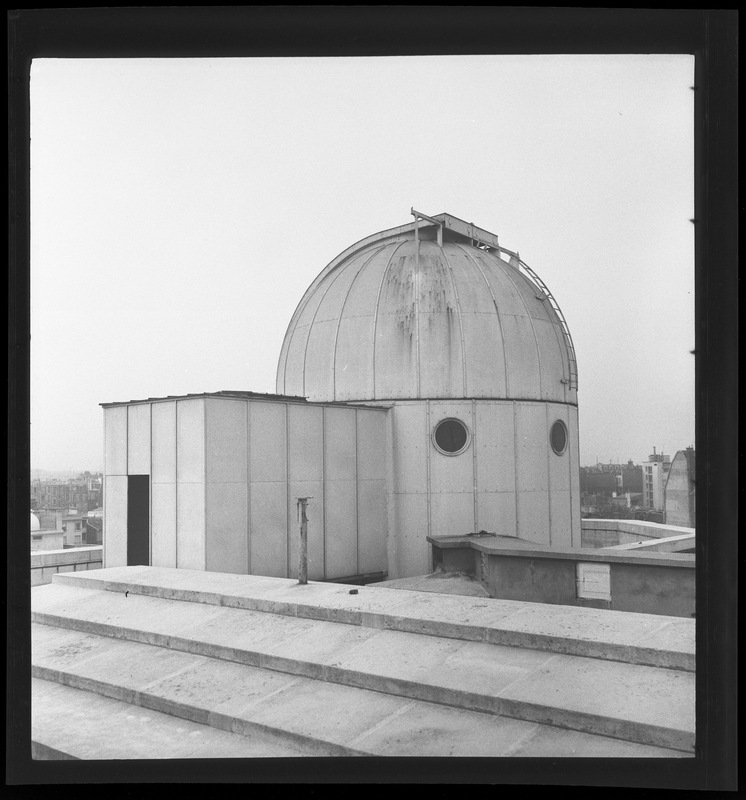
{"x": 210, "y": 482}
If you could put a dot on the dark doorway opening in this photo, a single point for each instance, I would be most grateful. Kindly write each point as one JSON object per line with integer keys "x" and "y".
{"x": 138, "y": 520}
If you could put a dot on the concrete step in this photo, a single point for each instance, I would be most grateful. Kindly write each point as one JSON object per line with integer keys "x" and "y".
{"x": 310, "y": 715}
{"x": 636, "y": 703}
{"x": 69, "y": 723}
{"x": 633, "y": 638}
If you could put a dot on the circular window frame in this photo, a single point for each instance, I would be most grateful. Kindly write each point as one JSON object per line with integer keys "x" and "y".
{"x": 447, "y": 452}
{"x": 562, "y": 425}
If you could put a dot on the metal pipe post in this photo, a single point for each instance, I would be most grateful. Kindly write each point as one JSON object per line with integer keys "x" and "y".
{"x": 303, "y": 550}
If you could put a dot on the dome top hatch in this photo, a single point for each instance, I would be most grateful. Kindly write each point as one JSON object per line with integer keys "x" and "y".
{"x": 432, "y": 309}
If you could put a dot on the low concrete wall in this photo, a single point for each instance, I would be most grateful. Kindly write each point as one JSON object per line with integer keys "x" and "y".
{"x": 650, "y": 583}
{"x": 45, "y": 563}
{"x": 613, "y": 532}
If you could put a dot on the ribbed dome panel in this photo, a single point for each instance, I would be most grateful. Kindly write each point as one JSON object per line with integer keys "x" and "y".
{"x": 406, "y": 319}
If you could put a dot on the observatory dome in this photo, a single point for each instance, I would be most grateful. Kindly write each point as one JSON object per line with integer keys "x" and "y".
{"x": 35, "y": 524}
{"x": 432, "y": 309}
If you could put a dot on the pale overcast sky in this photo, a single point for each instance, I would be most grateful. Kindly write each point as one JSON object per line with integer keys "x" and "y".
{"x": 181, "y": 207}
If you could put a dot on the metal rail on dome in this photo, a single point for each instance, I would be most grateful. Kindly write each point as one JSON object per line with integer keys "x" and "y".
{"x": 489, "y": 242}
{"x": 518, "y": 263}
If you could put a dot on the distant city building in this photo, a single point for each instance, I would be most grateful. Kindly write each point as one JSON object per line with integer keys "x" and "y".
{"x": 654, "y": 473}
{"x": 94, "y": 527}
{"x": 73, "y": 525}
{"x": 680, "y": 490}
{"x": 607, "y": 479}
{"x": 82, "y": 493}
{"x": 50, "y": 539}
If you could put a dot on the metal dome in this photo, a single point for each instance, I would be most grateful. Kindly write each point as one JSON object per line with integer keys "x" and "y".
{"x": 432, "y": 309}
{"x": 35, "y": 524}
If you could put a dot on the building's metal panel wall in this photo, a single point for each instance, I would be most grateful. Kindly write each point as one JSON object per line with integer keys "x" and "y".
{"x": 138, "y": 439}
{"x": 190, "y": 477}
{"x": 163, "y": 484}
{"x": 340, "y": 451}
{"x": 532, "y": 446}
{"x": 190, "y": 441}
{"x": 269, "y": 527}
{"x": 163, "y": 469}
{"x": 190, "y": 525}
{"x": 495, "y": 442}
{"x": 372, "y": 526}
{"x": 340, "y": 529}
{"x": 559, "y": 481}
{"x": 226, "y": 534}
{"x": 410, "y": 441}
{"x": 305, "y": 442}
{"x": 115, "y": 440}
{"x": 561, "y": 522}
{"x": 412, "y": 549}
{"x": 115, "y": 520}
{"x": 163, "y": 523}
{"x": 267, "y": 442}
{"x": 315, "y": 541}
{"x": 371, "y": 445}
{"x": 305, "y": 475}
{"x": 497, "y": 512}
{"x": 226, "y": 441}
{"x": 533, "y": 516}
{"x": 452, "y": 514}
{"x": 451, "y": 473}
{"x": 340, "y": 492}
{"x": 372, "y": 516}
{"x": 226, "y": 497}
{"x": 573, "y": 451}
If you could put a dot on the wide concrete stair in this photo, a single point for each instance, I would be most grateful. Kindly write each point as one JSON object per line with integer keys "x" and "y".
{"x": 142, "y": 662}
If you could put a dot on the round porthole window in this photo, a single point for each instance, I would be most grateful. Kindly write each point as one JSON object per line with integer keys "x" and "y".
{"x": 451, "y": 436}
{"x": 558, "y": 437}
